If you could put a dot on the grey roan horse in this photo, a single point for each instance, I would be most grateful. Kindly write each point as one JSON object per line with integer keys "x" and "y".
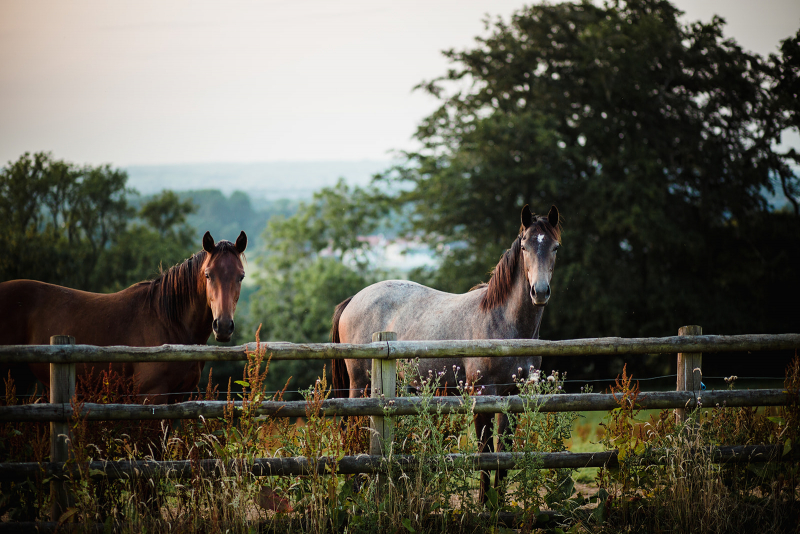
{"x": 510, "y": 306}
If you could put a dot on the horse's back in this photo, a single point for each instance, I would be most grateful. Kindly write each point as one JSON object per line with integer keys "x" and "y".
{"x": 18, "y": 303}
{"x": 413, "y": 311}
{"x": 416, "y": 313}
{"x": 38, "y": 310}
{"x": 34, "y": 311}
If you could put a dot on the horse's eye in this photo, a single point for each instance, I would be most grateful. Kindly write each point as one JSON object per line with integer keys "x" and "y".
{"x": 208, "y": 276}
{"x": 241, "y": 278}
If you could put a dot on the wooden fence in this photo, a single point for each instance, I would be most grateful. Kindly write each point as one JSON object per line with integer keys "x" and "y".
{"x": 62, "y": 355}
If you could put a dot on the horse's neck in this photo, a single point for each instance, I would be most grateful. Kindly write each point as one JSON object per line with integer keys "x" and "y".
{"x": 197, "y": 319}
{"x": 192, "y": 326}
{"x": 518, "y": 310}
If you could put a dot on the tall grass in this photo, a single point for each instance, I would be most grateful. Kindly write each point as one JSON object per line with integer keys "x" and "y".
{"x": 684, "y": 490}
{"x": 437, "y": 492}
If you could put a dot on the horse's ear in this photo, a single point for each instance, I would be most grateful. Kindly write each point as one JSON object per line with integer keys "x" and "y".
{"x": 208, "y": 243}
{"x": 552, "y": 216}
{"x": 527, "y": 216}
{"x": 241, "y": 242}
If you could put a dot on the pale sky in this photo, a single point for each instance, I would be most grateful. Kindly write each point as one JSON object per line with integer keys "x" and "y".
{"x": 158, "y": 82}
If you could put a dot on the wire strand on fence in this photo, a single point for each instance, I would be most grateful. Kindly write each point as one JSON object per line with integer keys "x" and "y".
{"x": 571, "y": 381}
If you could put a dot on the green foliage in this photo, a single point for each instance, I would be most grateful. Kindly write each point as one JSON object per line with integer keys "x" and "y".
{"x": 656, "y": 140}
{"x": 167, "y": 214}
{"x": 663, "y": 465}
{"x": 57, "y": 219}
{"x": 335, "y": 220}
{"x": 225, "y": 216}
{"x": 73, "y": 226}
{"x": 315, "y": 260}
{"x": 538, "y": 432}
{"x": 144, "y": 249}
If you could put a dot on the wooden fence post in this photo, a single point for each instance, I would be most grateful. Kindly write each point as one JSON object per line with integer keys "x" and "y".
{"x": 384, "y": 383}
{"x": 62, "y": 389}
{"x": 689, "y": 369}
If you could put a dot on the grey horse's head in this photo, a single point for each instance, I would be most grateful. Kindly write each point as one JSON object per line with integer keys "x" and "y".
{"x": 540, "y": 240}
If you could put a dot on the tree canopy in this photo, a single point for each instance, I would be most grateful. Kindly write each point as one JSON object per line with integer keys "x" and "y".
{"x": 74, "y": 226}
{"x": 657, "y": 140}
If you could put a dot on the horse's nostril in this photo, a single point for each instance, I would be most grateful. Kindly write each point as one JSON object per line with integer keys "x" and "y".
{"x": 215, "y": 325}
{"x": 540, "y": 294}
{"x": 232, "y": 326}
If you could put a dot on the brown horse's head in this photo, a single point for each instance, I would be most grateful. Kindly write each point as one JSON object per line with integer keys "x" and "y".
{"x": 224, "y": 273}
{"x": 540, "y": 240}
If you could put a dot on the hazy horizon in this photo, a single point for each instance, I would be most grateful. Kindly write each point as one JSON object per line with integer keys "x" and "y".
{"x": 270, "y": 180}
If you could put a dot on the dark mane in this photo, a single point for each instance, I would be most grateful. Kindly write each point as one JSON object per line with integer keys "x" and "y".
{"x": 171, "y": 292}
{"x": 175, "y": 289}
{"x": 502, "y": 280}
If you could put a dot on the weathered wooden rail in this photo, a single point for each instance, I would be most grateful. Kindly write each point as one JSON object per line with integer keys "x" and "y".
{"x": 398, "y": 350}
{"x": 384, "y": 352}
{"x": 565, "y": 402}
{"x": 349, "y": 465}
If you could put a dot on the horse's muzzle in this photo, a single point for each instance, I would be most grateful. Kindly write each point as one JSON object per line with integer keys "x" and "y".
{"x": 540, "y": 294}
{"x": 223, "y": 329}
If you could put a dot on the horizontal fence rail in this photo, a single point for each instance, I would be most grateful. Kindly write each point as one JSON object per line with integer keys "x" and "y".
{"x": 564, "y": 402}
{"x": 395, "y": 350}
{"x": 349, "y": 465}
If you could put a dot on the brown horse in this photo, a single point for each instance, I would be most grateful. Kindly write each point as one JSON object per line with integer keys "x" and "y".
{"x": 181, "y": 306}
{"x": 510, "y": 306}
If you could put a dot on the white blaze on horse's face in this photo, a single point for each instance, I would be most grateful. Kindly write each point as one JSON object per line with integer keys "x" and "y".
{"x": 539, "y": 248}
{"x": 224, "y": 274}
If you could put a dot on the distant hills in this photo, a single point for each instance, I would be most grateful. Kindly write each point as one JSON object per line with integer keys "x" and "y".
{"x": 261, "y": 181}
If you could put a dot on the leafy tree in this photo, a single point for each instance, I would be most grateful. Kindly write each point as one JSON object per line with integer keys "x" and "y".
{"x": 58, "y": 218}
{"x": 74, "y": 226}
{"x": 167, "y": 214}
{"x": 227, "y": 216}
{"x": 785, "y": 113}
{"x": 657, "y": 142}
{"x": 315, "y": 260}
{"x": 160, "y": 238}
